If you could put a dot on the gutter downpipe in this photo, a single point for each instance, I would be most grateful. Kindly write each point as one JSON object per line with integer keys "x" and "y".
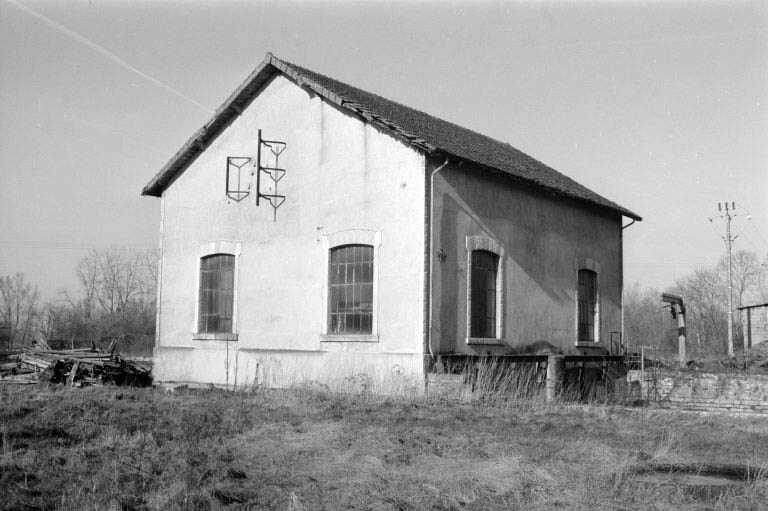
{"x": 622, "y": 341}
{"x": 431, "y": 250}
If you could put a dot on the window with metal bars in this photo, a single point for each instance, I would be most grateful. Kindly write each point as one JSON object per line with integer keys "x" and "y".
{"x": 217, "y": 283}
{"x": 587, "y": 308}
{"x": 485, "y": 267}
{"x": 350, "y": 290}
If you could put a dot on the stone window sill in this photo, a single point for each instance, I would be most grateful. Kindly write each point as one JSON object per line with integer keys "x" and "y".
{"x": 349, "y": 338}
{"x": 485, "y": 341}
{"x": 588, "y": 344}
{"x": 214, "y": 336}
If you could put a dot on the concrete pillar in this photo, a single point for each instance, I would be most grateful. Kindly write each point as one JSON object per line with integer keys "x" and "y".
{"x": 555, "y": 375}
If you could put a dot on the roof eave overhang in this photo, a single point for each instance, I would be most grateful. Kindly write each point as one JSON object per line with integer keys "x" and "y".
{"x": 756, "y": 306}
{"x": 354, "y": 108}
{"x": 231, "y": 108}
{"x": 239, "y": 100}
{"x": 542, "y": 186}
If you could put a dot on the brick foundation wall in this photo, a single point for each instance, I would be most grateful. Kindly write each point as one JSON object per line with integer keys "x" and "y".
{"x": 745, "y": 393}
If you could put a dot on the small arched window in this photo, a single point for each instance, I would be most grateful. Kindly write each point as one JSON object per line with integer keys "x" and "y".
{"x": 217, "y": 284}
{"x": 350, "y": 290}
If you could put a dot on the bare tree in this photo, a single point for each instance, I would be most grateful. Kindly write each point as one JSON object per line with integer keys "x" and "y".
{"x": 87, "y": 273}
{"x": 645, "y": 321}
{"x": 67, "y": 320}
{"x": 18, "y": 308}
{"x": 705, "y": 295}
{"x": 745, "y": 273}
{"x": 113, "y": 279}
{"x": 762, "y": 280}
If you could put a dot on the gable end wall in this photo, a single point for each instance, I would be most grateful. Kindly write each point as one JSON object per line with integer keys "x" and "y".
{"x": 342, "y": 175}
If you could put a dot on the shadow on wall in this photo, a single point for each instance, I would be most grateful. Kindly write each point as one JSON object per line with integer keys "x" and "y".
{"x": 528, "y": 272}
{"x": 527, "y": 246}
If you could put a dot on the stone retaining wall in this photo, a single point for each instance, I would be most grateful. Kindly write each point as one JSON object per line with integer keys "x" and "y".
{"x": 744, "y": 393}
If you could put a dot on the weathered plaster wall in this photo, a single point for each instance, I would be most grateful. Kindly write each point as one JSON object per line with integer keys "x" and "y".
{"x": 342, "y": 174}
{"x": 545, "y": 239}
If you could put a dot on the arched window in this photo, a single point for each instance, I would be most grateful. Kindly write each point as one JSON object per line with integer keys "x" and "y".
{"x": 485, "y": 290}
{"x": 217, "y": 284}
{"x": 587, "y": 306}
{"x": 485, "y": 267}
{"x": 350, "y": 289}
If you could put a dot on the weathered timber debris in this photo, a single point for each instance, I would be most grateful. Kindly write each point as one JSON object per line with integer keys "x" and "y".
{"x": 74, "y": 368}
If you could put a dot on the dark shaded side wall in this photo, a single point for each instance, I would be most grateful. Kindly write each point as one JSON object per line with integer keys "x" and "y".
{"x": 546, "y": 239}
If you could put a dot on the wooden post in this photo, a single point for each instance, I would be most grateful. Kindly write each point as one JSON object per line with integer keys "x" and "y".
{"x": 72, "y": 374}
{"x": 677, "y": 308}
{"x": 555, "y": 374}
{"x": 681, "y": 333}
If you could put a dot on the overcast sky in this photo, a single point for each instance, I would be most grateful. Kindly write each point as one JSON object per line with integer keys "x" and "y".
{"x": 661, "y": 107}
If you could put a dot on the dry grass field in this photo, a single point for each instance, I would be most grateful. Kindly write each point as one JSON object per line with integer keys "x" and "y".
{"x": 301, "y": 449}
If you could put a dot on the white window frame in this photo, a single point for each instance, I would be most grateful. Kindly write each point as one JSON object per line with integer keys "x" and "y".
{"x": 207, "y": 249}
{"x": 350, "y": 237}
{"x": 587, "y": 263}
{"x": 491, "y": 245}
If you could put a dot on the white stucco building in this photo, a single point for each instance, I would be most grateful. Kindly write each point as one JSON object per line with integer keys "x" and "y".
{"x": 401, "y": 236}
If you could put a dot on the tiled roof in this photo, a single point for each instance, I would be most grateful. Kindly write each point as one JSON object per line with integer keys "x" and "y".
{"x": 421, "y": 130}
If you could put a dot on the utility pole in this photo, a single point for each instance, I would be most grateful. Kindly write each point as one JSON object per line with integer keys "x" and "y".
{"x": 727, "y": 213}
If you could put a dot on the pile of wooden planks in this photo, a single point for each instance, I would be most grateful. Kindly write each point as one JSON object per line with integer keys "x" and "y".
{"x": 76, "y": 367}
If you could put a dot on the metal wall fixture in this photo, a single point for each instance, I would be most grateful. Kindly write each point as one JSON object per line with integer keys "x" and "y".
{"x": 275, "y": 173}
{"x": 234, "y": 181}
{"x": 234, "y": 189}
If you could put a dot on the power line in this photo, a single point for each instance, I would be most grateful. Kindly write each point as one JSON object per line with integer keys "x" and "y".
{"x": 757, "y": 231}
{"x": 759, "y": 234}
{"x": 749, "y": 240}
{"x": 65, "y": 245}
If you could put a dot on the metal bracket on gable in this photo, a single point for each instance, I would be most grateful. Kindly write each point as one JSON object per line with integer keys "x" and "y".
{"x": 274, "y": 172}
{"x": 233, "y": 182}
